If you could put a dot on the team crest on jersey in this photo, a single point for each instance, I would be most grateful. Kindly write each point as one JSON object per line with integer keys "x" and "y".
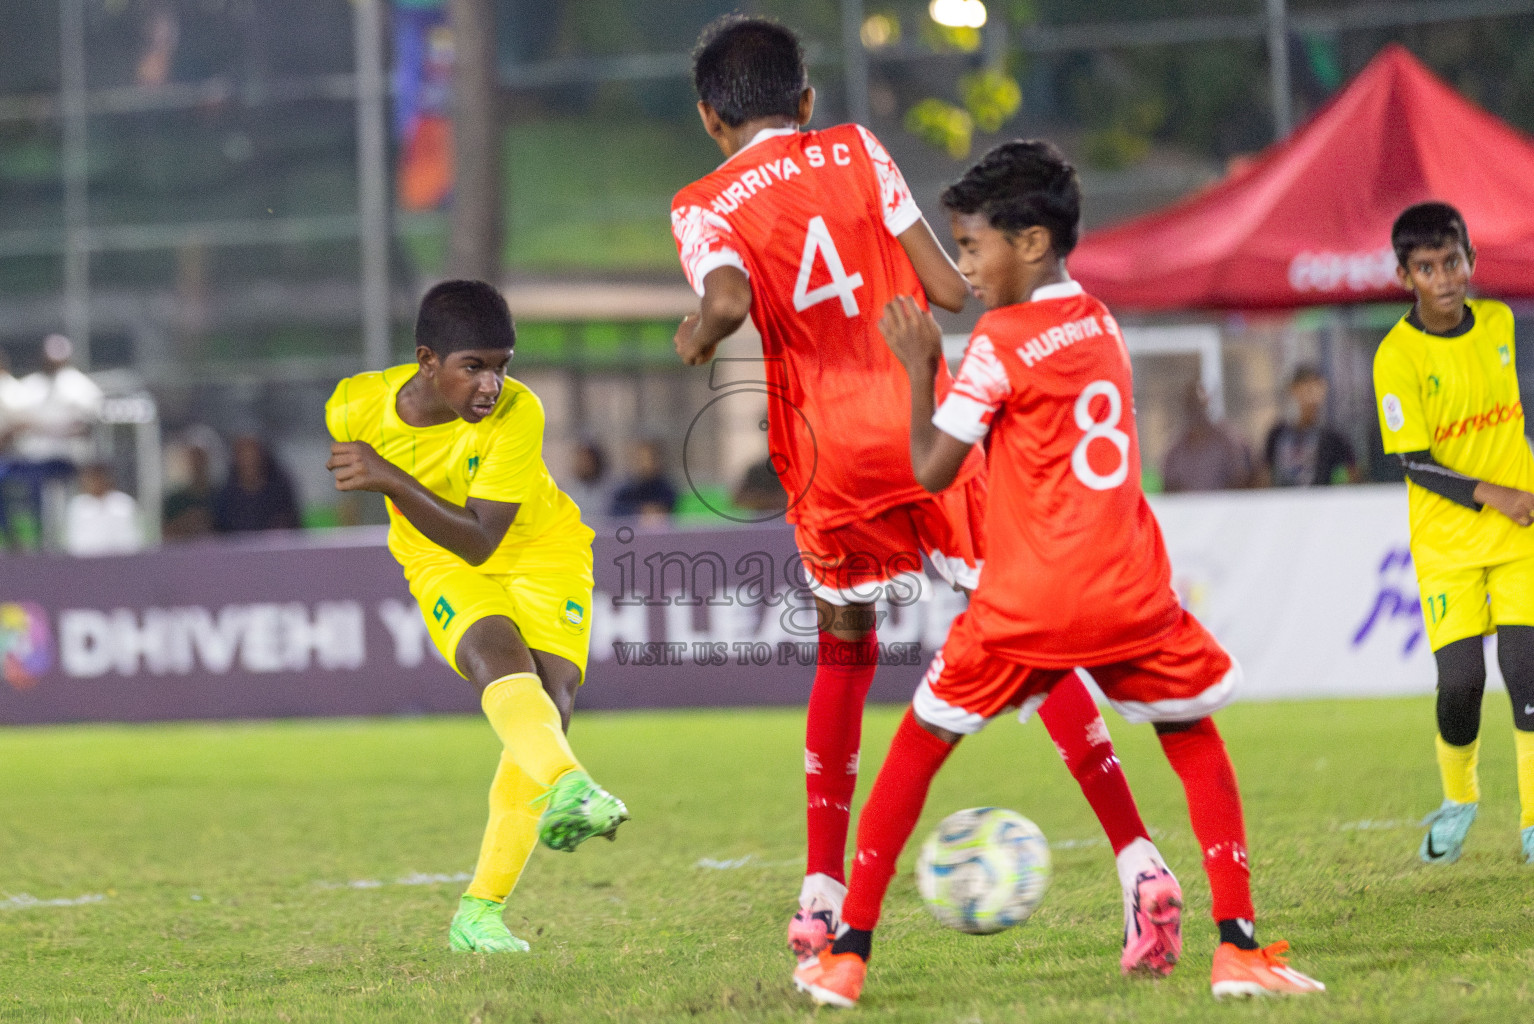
{"x": 473, "y": 466}
{"x": 1395, "y": 416}
{"x": 1506, "y": 354}
{"x": 1433, "y": 384}
{"x": 574, "y": 616}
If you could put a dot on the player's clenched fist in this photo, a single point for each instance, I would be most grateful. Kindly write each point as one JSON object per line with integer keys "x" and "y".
{"x": 1515, "y": 504}
{"x": 911, "y": 332}
{"x": 357, "y": 467}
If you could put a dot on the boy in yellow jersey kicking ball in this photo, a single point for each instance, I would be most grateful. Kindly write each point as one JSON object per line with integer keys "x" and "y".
{"x": 500, "y": 563}
{"x": 1447, "y": 386}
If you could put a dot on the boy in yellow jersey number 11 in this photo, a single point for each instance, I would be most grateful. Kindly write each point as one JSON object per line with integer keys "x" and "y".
{"x": 1447, "y": 384}
{"x": 500, "y": 563}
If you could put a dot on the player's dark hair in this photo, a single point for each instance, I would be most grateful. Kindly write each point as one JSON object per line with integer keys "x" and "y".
{"x": 1022, "y": 184}
{"x": 459, "y": 315}
{"x": 1428, "y": 226}
{"x": 747, "y": 68}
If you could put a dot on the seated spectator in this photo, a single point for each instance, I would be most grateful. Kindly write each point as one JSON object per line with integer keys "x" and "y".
{"x": 587, "y": 485}
{"x": 760, "y": 490}
{"x": 1307, "y": 452}
{"x": 188, "y": 507}
{"x": 258, "y": 494}
{"x": 101, "y": 520}
{"x": 1208, "y": 457}
{"x": 647, "y": 494}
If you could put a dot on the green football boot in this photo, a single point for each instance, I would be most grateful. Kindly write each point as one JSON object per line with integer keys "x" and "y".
{"x": 477, "y": 928}
{"x": 1528, "y": 845}
{"x": 577, "y": 810}
{"x": 1446, "y": 832}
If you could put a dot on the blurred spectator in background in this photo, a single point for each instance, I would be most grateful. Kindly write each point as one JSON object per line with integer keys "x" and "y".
{"x": 760, "y": 490}
{"x": 101, "y": 520}
{"x": 1208, "y": 456}
{"x": 59, "y": 405}
{"x": 49, "y": 418}
{"x": 258, "y": 494}
{"x": 188, "y": 507}
{"x": 648, "y": 493}
{"x": 10, "y": 423}
{"x": 1306, "y": 452}
{"x": 587, "y": 484}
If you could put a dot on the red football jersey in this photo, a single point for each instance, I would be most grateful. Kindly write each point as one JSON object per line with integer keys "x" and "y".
{"x": 812, "y": 218}
{"x": 1076, "y": 572}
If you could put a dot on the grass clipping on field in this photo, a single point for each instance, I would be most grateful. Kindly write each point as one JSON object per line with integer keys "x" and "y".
{"x": 306, "y": 872}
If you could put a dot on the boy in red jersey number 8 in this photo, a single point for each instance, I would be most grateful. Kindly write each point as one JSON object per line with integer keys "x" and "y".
{"x": 1077, "y": 574}
{"x": 811, "y": 233}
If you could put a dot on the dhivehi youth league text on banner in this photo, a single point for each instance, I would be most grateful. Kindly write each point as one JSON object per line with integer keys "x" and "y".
{"x": 1313, "y": 591}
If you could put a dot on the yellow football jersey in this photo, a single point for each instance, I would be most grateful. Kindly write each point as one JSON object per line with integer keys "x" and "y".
{"x": 499, "y": 458}
{"x": 1457, "y": 398}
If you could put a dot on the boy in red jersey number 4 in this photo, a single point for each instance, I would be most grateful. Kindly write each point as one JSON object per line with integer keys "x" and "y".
{"x": 811, "y": 233}
{"x": 1077, "y": 574}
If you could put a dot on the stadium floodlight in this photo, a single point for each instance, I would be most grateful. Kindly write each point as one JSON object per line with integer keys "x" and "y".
{"x": 957, "y": 13}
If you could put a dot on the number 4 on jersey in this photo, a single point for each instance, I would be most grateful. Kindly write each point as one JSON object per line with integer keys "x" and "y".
{"x": 841, "y": 286}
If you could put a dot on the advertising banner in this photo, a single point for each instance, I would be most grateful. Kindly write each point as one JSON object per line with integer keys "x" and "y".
{"x": 1312, "y": 591}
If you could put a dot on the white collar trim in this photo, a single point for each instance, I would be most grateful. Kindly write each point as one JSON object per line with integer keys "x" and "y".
{"x": 762, "y": 136}
{"x": 1061, "y": 290}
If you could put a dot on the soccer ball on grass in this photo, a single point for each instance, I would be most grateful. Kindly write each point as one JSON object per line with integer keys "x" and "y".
{"x": 983, "y": 870}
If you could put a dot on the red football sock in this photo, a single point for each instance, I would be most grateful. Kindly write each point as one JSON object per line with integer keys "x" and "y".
{"x": 832, "y": 735}
{"x": 1199, "y": 758}
{"x": 889, "y": 816}
{"x": 1082, "y": 738}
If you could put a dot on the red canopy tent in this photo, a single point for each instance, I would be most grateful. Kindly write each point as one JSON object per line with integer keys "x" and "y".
{"x": 1308, "y": 222}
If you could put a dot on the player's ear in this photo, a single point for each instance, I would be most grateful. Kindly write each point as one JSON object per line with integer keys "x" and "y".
{"x": 1034, "y": 243}
{"x": 1404, "y": 277}
{"x": 1470, "y": 258}
{"x": 427, "y": 360}
{"x": 712, "y": 123}
{"x": 806, "y": 105}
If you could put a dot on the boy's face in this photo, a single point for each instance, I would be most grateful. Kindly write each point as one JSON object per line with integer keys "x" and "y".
{"x": 1440, "y": 276}
{"x": 1001, "y": 269}
{"x": 469, "y": 381}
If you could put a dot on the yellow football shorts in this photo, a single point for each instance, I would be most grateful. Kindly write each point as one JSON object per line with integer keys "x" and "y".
{"x": 551, "y": 608}
{"x": 1474, "y": 602}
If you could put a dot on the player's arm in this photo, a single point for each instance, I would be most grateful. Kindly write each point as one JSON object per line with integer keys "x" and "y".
{"x": 1430, "y": 474}
{"x": 472, "y": 531}
{"x": 917, "y": 341}
{"x": 940, "y": 279}
{"x": 725, "y": 305}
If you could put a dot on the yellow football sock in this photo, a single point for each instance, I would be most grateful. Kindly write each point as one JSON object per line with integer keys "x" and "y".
{"x": 527, "y": 722}
{"x": 510, "y": 835}
{"x": 1524, "y": 742}
{"x": 1457, "y": 766}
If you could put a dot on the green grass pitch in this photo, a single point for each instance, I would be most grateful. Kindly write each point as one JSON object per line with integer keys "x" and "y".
{"x": 282, "y": 872}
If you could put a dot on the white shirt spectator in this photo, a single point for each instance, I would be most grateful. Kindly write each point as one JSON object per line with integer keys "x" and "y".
{"x": 56, "y": 411}
{"x": 105, "y": 525}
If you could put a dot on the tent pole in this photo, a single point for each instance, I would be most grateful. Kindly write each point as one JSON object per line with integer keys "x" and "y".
{"x": 1278, "y": 68}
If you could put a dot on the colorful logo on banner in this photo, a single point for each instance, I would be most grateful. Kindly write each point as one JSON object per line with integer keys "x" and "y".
{"x": 26, "y": 644}
{"x": 423, "y": 94}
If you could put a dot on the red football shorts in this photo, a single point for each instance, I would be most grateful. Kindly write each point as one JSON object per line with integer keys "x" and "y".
{"x": 1187, "y": 677}
{"x": 852, "y": 564}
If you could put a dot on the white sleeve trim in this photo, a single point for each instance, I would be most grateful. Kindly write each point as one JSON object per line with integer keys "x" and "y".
{"x": 901, "y": 220}
{"x": 713, "y": 261}
{"x": 963, "y": 418}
